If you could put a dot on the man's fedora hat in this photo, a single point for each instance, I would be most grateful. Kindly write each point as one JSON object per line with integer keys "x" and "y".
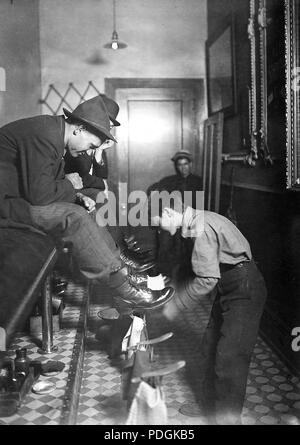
{"x": 112, "y": 109}
{"x": 182, "y": 154}
{"x": 93, "y": 113}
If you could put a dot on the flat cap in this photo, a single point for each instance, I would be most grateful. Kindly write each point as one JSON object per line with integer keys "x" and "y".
{"x": 182, "y": 154}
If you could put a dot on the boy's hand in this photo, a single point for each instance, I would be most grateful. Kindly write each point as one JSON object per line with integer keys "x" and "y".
{"x": 171, "y": 310}
{"x": 181, "y": 301}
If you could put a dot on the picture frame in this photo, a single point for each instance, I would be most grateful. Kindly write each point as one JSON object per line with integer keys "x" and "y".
{"x": 221, "y": 73}
{"x": 212, "y": 160}
{"x": 292, "y": 47}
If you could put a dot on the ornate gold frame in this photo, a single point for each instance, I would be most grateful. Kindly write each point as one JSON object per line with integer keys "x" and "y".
{"x": 249, "y": 157}
{"x": 258, "y": 90}
{"x": 292, "y": 37}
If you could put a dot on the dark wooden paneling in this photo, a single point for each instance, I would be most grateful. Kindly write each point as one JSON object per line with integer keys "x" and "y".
{"x": 268, "y": 215}
{"x": 271, "y": 223}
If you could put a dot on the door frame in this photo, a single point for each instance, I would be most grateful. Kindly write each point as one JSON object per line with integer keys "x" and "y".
{"x": 197, "y": 85}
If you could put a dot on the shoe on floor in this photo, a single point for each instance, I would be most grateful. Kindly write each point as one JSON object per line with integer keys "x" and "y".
{"x": 108, "y": 314}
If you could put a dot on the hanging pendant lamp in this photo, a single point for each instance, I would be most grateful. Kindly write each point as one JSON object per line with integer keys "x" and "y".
{"x": 115, "y": 42}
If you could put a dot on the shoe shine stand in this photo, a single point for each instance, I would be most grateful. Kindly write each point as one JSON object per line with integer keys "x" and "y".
{"x": 140, "y": 363}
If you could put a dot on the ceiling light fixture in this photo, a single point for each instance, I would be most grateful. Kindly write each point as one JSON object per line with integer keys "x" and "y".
{"x": 115, "y": 42}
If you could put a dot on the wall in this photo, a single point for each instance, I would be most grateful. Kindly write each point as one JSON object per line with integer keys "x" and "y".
{"x": 20, "y": 57}
{"x": 165, "y": 39}
{"x": 267, "y": 214}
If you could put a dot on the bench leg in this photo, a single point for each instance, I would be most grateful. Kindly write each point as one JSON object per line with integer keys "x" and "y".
{"x": 47, "y": 321}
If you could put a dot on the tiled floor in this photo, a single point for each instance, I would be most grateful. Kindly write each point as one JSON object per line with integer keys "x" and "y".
{"x": 47, "y": 409}
{"x": 273, "y": 394}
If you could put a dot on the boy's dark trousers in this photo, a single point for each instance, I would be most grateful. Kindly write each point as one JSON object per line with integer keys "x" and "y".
{"x": 229, "y": 340}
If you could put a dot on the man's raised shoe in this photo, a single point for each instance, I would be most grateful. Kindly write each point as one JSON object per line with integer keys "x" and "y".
{"x": 141, "y": 280}
{"x": 142, "y": 299}
{"x": 135, "y": 248}
{"x": 139, "y": 265}
{"x": 130, "y": 241}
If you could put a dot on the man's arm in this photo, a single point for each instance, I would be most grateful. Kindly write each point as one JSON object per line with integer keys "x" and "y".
{"x": 14, "y": 209}
{"x": 85, "y": 201}
{"x": 43, "y": 173}
{"x": 82, "y": 165}
{"x": 101, "y": 165}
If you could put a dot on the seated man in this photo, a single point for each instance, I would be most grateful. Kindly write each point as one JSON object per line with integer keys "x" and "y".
{"x": 221, "y": 261}
{"x": 35, "y": 192}
{"x": 174, "y": 252}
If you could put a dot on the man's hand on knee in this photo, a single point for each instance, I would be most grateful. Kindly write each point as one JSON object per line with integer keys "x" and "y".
{"x": 86, "y": 202}
{"x": 75, "y": 180}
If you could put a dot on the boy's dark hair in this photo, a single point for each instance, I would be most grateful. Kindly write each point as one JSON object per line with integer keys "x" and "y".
{"x": 160, "y": 199}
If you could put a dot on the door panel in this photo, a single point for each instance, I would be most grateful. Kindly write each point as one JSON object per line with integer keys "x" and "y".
{"x": 154, "y": 133}
{"x": 155, "y": 124}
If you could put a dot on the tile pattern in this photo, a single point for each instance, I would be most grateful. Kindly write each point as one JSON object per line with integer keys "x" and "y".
{"x": 273, "y": 394}
{"x": 46, "y": 409}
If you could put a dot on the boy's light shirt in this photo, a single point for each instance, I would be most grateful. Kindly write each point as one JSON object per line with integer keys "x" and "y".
{"x": 192, "y": 223}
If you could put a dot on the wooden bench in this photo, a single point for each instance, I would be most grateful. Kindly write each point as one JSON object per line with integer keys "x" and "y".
{"x": 26, "y": 263}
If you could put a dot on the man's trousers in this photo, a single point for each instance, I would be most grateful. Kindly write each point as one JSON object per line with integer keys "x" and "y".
{"x": 93, "y": 248}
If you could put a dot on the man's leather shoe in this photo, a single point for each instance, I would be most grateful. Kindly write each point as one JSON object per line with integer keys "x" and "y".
{"x": 138, "y": 254}
{"x": 143, "y": 299}
{"x": 130, "y": 241}
{"x": 138, "y": 265}
{"x": 133, "y": 246}
{"x": 140, "y": 280}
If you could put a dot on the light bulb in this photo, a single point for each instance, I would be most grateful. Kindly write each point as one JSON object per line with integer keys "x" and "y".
{"x": 114, "y": 45}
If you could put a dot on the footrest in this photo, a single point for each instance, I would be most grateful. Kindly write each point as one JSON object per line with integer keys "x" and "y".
{"x": 153, "y": 341}
{"x": 160, "y": 372}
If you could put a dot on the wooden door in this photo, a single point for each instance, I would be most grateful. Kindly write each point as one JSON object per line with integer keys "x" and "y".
{"x": 158, "y": 118}
{"x": 157, "y": 123}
